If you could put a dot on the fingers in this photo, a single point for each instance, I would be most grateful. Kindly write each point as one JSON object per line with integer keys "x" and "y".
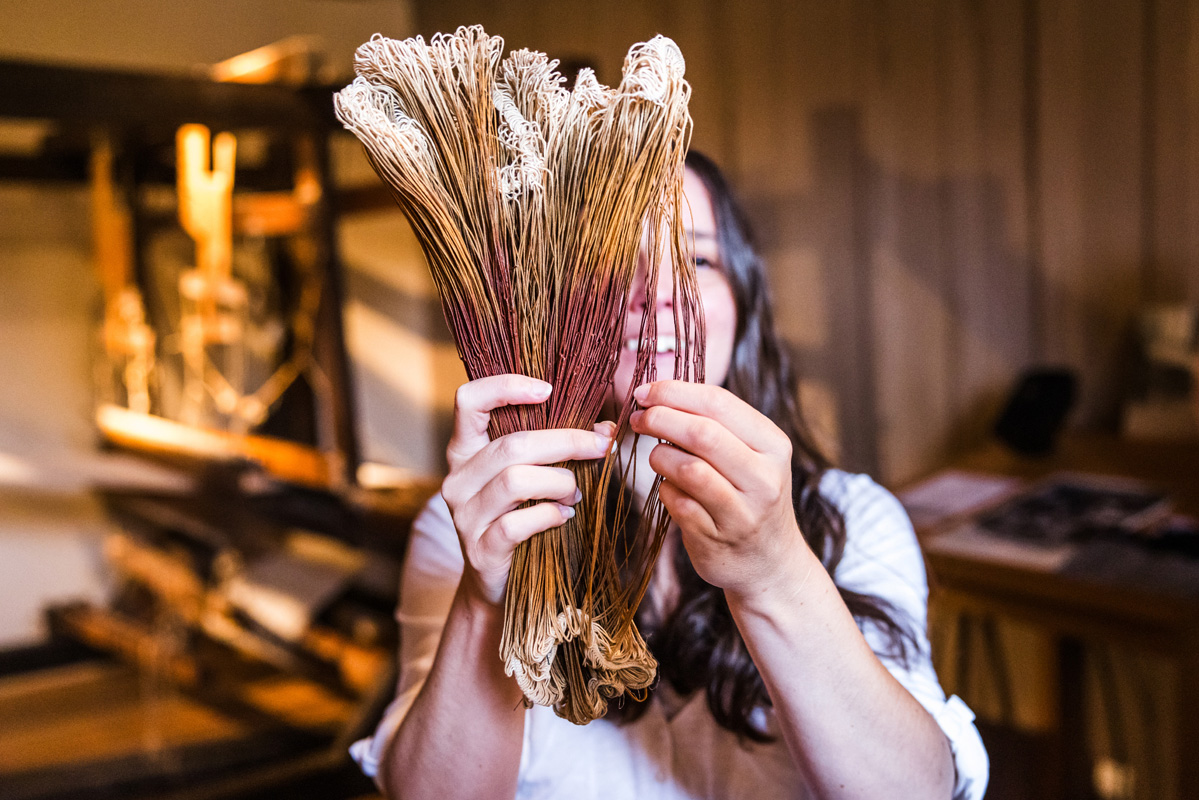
{"x": 515, "y": 485}
{"x": 695, "y": 477}
{"x": 491, "y": 523}
{"x": 526, "y": 447}
{"x": 741, "y": 419}
{"x": 684, "y": 509}
{"x": 474, "y": 403}
{"x": 503, "y": 535}
{"x": 489, "y": 554}
{"x": 704, "y": 437}
{"x": 489, "y": 481}
{"x": 548, "y": 446}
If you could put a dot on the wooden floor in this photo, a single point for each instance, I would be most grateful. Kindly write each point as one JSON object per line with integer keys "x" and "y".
{"x": 97, "y": 710}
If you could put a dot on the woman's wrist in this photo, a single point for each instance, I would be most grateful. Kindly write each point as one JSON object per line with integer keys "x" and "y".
{"x": 477, "y": 597}
{"x": 781, "y": 591}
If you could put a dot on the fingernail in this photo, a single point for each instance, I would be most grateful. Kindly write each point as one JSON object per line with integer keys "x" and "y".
{"x": 603, "y": 439}
{"x": 635, "y": 417}
{"x": 578, "y": 495}
{"x": 640, "y": 392}
{"x": 543, "y": 389}
{"x": 605, "y": 428}
{"x": 567, "y": 511}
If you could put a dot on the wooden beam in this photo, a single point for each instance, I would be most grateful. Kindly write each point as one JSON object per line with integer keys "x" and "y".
{"x": 123, "y": 99}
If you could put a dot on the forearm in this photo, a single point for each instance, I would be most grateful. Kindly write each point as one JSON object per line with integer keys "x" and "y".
{"x": 462, "y": 736}
{"x": 853, "y": 729}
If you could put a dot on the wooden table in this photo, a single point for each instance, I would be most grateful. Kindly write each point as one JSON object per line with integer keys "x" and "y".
{"x": 1079, "y": 609}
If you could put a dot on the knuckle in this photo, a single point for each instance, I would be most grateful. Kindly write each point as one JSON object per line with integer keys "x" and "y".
{"x": 521, "y": 442}
{"x": 509, "y": 481}
{"x": 507, "y": 447}
{"x": 577, "y": 439}
{"x": 478, "y": 555}
{"x": 568, "y": 444}
{"x": 704, "y": 434}
{"x": 778, "y": 493}
{"x": 692, "y": 471}
{"x": 462, "y": 397}
{"x": 474, "y": 539}
{"x": 558, "y": 480}
{"x": 507, "y": 529}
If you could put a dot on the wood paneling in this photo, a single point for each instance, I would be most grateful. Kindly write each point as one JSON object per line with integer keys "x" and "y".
{"x": 947, "y": 191}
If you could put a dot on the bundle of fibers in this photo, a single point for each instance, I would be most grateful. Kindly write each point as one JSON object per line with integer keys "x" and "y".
{"x": 531, "y": 203}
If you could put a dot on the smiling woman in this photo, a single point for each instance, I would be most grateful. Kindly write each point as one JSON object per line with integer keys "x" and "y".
{"x": 787, "y": 613}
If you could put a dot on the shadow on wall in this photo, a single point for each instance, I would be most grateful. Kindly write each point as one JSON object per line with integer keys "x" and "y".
{"x": 406, "y": 370}
{"x": 930, "y": 308}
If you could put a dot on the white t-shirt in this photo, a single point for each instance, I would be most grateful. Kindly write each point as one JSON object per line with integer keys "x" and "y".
{"x": 675, "y": 750}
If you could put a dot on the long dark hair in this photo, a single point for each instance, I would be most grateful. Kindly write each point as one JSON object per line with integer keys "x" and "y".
{"x": 698, "y": 645}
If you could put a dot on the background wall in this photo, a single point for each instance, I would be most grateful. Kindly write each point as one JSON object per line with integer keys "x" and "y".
{"x": 49, "y": 528}
{"x": 948, "y": 191}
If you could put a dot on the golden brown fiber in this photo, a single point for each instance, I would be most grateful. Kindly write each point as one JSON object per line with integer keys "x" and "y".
{"x": 531, "y": 203}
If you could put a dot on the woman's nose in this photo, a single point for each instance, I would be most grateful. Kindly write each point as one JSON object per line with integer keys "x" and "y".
{"x": 663, "y": 294}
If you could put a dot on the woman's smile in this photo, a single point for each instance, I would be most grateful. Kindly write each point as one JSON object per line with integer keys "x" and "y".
{"x": 666, "y": 342}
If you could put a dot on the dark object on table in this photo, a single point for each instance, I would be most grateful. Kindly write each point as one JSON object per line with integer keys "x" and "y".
{"x": 1178, "y": 536}
{"x": 1036, "y": 410}
{"x": 1066, "y": 510}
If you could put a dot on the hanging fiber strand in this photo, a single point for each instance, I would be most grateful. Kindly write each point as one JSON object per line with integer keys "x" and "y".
{"x": 531, "y": 203}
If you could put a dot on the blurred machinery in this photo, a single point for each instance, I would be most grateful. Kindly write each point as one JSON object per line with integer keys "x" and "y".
{"x": 250, "y": 635}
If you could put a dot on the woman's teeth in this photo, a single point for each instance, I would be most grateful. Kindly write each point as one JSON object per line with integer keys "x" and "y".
{"x": 665, "y": 344}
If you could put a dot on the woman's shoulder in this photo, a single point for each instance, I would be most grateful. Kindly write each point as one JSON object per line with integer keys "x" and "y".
{"x": 432, "y": 540}
{"x": 434, "y": 516}
{"x": 861, "y": 500}
{"x": 880, "y": 543}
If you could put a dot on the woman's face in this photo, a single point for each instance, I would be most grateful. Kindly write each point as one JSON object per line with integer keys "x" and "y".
{"x": 720, "y": 314}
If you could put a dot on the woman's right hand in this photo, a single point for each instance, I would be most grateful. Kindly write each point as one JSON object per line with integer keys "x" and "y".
{"x": 489, "y": 480}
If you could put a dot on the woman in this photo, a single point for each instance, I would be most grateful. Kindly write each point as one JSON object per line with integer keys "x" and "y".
{"x": 787, "y": 610}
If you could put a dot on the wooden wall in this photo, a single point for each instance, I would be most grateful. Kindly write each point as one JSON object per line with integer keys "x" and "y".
{"x": 948, "y": 191}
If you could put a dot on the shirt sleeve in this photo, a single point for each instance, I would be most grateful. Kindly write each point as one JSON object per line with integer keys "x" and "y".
{"x": 432, "y": 570}
{"x": 882, "y": 558}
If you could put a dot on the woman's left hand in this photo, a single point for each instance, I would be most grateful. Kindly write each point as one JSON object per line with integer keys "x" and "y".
{"x": 727, "y": 483}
